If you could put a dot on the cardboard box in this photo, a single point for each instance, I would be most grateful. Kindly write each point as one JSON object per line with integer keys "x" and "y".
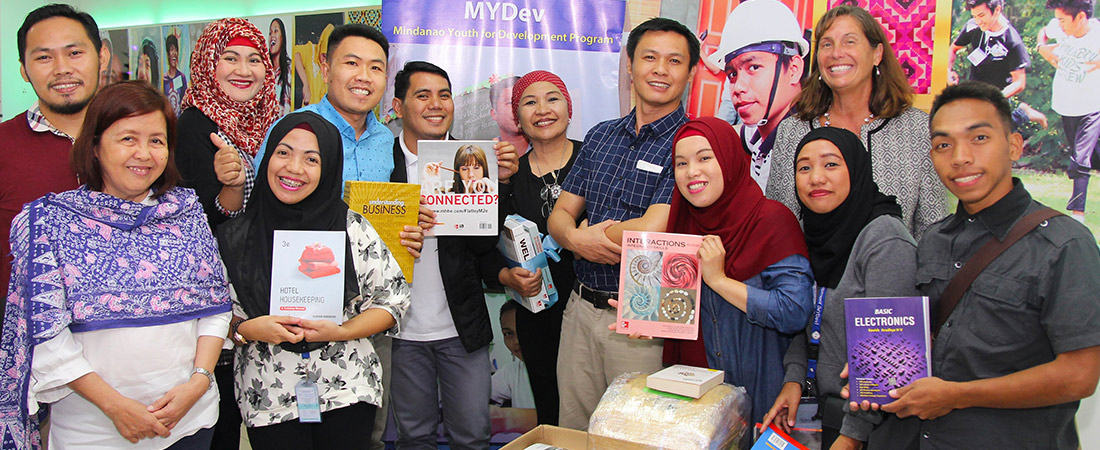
{"x": 550, "y": 435}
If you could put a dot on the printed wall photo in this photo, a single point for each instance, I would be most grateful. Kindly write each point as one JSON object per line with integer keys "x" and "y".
{"x": 1044, "y": 56}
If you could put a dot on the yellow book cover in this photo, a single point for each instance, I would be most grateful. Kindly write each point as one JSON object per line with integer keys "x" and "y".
{"x": 388, "y": 207}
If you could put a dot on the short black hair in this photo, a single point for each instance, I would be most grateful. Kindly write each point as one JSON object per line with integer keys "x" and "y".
{"x": 401, "y": 80}
{"x": 975, "y": 90}
{"x": 171, "y": 41}
{"x": 1072, "y": 7}
{"x": 498, "y": 88}
{"x": 508, "y": 306}
{"x": 663, "y": 24}
{"x": 57, "y": 10}
{"x": 991, "y": 4}
{"x": 357, "y": 29}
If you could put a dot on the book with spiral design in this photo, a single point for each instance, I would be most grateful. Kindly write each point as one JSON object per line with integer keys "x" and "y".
{"x": 659, "y": 284}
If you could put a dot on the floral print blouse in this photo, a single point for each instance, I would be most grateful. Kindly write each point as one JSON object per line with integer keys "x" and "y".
{"x": 345, "y": 372}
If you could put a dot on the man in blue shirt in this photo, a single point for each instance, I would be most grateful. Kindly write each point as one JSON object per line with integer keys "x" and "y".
{"x": 355, "y": 73}
{"x": 623, "y": 179}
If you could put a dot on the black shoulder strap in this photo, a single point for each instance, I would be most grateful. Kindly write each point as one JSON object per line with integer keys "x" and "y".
{"x": 985, "y": 255}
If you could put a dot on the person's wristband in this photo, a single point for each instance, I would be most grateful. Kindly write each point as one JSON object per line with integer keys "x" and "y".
{"x": 207, "y": 374}
{"x": 237, "y": 336}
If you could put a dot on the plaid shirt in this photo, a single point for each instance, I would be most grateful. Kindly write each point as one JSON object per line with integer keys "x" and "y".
{"x": 621, "y": 173}
{"x": 40, "y": 124}
{"x": 249, "y": 180}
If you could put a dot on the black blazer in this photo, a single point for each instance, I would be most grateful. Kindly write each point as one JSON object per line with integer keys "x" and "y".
{"x": 464, "y": 262}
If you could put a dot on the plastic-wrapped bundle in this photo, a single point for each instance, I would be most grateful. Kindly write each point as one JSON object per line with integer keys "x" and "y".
{"x": 630, "y": 413}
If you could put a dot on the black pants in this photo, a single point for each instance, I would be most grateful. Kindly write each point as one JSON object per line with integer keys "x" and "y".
{"x": 344, "y": 428}
{"x": 539, "y": 334}
{"x": 227, "y": 431}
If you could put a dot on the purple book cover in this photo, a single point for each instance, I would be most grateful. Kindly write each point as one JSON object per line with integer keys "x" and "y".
{"x": 888, "y": 345}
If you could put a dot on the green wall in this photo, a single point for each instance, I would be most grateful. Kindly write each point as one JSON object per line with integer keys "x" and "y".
{"x": 16, "y": 95}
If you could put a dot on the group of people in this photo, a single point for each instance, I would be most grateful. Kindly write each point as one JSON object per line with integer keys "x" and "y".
{"x": 141, "y": 245}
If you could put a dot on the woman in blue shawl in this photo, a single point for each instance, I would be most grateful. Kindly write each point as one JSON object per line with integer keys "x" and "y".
{"x": 118, "y": 301}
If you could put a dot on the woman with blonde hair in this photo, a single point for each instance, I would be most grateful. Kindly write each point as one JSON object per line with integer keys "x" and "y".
{"x": 856, "y": 83}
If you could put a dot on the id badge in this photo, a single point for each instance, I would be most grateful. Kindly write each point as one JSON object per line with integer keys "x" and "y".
{"x": 977, "y": 56}
{"x": 309, "y": 402}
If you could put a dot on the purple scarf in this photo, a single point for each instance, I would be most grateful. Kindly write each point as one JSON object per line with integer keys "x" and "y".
{"x": 91, "y": 261}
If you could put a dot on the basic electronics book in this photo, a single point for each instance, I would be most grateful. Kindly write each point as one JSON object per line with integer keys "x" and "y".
{"x": 889, "y": 345}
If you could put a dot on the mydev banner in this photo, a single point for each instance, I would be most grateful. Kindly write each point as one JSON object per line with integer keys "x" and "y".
{"x": 481, "y": 43}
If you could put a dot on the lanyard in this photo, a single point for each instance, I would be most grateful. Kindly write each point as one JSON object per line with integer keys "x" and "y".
{"x": 814, "y": 338}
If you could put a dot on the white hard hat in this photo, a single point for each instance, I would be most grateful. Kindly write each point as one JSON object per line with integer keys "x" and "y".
{"x": 759, "y": 22}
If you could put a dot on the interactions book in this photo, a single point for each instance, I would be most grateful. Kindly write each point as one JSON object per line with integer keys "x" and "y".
{"x": 659, "y": 283}
{"x": 889, "y": 345}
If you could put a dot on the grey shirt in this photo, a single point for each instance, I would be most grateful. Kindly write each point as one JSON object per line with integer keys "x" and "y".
{"x": 883, "y": 263}
{"x": 1041, "y": 297}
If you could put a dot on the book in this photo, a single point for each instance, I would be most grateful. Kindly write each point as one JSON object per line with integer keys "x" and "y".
{"x": 659, "y": 283}
{"x": 307, "y": 277}
{"x": 889, "y": 345}
{"x": 521, "y": 244}
{"x": 689, "y": 381}
{"x": 773, "y": 438}
{"x": 458, "y": 180}
{"x": 388, "y": 207}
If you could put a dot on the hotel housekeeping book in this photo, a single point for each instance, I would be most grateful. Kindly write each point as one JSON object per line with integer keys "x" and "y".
{"x": 307, "y": 274}
{"x": 659, "y": 283}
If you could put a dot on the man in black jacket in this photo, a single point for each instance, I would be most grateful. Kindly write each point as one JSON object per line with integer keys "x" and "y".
{"x": 442, "y": 349}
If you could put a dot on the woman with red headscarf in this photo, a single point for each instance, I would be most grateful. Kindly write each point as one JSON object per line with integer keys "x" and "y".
{"x": 228, "y": 109}
{"x": 758, "y": 285}
{"x": 542, "y": 109}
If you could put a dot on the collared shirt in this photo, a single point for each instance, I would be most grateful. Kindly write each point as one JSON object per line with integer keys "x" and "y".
{"x": 38, "y": 123}
{"x": 1039, "y": 298}
{"x": 367, "y": 158}
{"x": 620, "y": 173}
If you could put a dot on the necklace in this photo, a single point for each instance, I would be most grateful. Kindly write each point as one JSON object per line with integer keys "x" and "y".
{"x": 551, "y": 191}
{"x": 868, "y": 119}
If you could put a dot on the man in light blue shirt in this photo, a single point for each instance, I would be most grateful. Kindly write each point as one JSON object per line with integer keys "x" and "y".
{"x": 355, "y": 71}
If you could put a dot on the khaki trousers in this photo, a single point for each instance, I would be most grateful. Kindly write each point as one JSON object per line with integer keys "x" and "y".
{"x": 591, "y": 356}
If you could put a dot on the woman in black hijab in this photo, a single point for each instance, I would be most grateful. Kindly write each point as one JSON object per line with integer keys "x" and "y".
{"x": 858, "y": 247}
{"x": 298, "y": 188}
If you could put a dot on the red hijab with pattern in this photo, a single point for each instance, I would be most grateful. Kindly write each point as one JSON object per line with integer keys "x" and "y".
{"x": 245, "y": 123}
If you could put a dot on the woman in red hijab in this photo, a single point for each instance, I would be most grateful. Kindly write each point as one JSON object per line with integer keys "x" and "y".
{"x": 758, "y": 285}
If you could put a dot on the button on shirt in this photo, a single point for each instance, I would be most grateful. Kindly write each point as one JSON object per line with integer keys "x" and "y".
{"x": 620, "y": 173}
{"x": 1041, "y": 297}
{"x": 368, "y": 158}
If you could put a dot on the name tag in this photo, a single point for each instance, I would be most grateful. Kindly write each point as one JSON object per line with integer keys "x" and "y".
{"x": 309, "y": 402}
{"x": 648, "y": 166}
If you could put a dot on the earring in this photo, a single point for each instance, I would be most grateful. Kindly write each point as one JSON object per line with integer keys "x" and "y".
{"x": 877, "y": 73}
{"x": 819, "y": 78}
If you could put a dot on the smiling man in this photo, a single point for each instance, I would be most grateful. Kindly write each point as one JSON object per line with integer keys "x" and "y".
{"x": 1022, "y": 347}
{"x": 354, "y": 70}
{"x": 61, "y": 57}
{"x": 622, "y": 178}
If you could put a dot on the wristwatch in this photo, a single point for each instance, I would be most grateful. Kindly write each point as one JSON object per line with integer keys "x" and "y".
{"x": 205, "y": 373}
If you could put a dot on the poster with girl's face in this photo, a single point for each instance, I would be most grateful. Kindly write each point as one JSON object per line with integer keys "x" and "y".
{"x": 278, "y": 30}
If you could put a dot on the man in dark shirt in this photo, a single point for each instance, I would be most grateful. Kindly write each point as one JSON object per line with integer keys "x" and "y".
{"x": 1023, "y": 345}
{"x": 623, "y": 179}
{"x": 61, "y": 56}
